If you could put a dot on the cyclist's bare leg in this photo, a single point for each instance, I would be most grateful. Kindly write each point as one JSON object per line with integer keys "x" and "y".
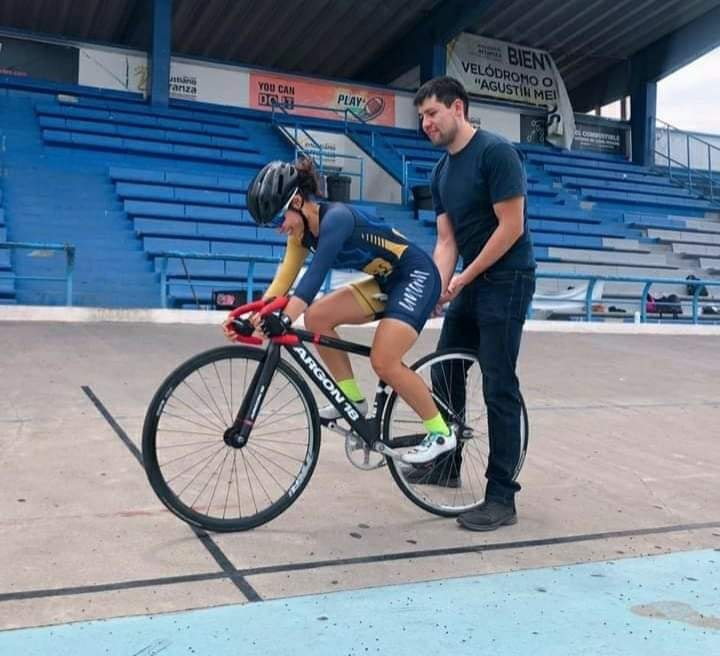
{"x": 393, "y": 339}
{"x": 324, "y": 315}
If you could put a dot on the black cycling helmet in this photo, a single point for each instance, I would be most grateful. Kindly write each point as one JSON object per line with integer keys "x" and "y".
{"x": 271, "y": 191}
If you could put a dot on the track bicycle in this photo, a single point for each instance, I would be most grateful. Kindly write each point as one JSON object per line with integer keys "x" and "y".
{"x": 232, "y": 436}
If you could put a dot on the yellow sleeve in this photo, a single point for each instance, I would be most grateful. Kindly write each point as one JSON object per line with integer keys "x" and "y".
{"x": 288, "y": 269}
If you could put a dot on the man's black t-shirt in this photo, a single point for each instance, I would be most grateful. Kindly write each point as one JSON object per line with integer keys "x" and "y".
{"x": 466, "y": 185}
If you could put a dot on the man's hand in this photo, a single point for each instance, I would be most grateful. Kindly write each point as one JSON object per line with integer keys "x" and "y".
{"x": 455, "y": 286}
{"x": 439, "y": 310}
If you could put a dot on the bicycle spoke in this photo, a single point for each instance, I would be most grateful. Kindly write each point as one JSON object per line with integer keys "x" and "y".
{"x": 187, "y": 455}
{"x": 178, "y": 446}
{"x": 177, "y": 399}
{"x": 282, "y": 487}
{"x": 259, "y": 480}
{"x": 268, "y": 414}
{"x": 192, "y": 505}
{"x": 228, "y": 487}
{"x": 202, "y": 400}
{"x": 222, "y": 387}
{"x": 247, "y": 474}
{"x": 258, "y": 445}
{"x": 273, "y": 441}
{"x": 217, "y": 482}
{"x": 232, "y": 404}
{"x": 207, "y": 461}
{"x": 188, "y": 420}
{"x": 185, "y": 432}
{"x": 210, "y": 394}
{"x": 237, "y": 483}
{"x": 259, "y": 454}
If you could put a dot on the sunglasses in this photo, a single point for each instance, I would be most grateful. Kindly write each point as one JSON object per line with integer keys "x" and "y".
{"x": 278, "y": 219}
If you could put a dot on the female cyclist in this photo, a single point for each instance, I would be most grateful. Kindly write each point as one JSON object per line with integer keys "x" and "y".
{"x": 402, "y": 289}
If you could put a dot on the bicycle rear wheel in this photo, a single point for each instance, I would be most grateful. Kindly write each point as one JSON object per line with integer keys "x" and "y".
{"x": 201, "y": 478}
{"x": 455, "y": 482}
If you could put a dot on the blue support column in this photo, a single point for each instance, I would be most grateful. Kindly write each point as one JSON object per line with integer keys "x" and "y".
{"x": 643, "y": 110}
{"x": 433, "y": 62}
{"x": 159, "y": 64}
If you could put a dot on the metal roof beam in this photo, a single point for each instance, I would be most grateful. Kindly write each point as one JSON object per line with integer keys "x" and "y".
{"x": 653, "y": 63}
{"x": 441, "y": 25}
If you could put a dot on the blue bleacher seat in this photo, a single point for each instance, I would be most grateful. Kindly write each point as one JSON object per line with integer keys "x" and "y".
{"x": 160, "y": 244}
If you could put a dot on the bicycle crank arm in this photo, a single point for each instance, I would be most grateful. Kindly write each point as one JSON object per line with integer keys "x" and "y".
{"x": 387, "y": 451}
{"x": 336, "y": 428}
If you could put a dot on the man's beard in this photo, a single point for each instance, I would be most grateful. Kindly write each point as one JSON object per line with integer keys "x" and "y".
{"x": 445, "y": 139}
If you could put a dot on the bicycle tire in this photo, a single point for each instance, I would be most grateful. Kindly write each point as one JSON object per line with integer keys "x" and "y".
{"x": 434, "y": 488}
{"x": 215, "y": 415}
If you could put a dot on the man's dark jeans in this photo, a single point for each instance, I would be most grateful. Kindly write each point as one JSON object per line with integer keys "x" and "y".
{"x": 487, "y": 317}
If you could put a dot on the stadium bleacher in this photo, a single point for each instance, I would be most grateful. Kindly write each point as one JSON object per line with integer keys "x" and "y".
{"x": 153, "y": 180}
{"x": 7, "y": 277}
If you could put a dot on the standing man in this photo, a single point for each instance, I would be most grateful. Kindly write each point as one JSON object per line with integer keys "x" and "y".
{"x": 479, "y": 193}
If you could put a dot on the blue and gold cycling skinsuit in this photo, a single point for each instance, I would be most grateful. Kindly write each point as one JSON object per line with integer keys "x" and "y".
{"x": 351, "y": 239}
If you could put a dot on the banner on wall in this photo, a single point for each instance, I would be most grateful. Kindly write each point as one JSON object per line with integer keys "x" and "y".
{"x": 44, "y": 61}
{"x": 129, "y": 72}
{"x": 327, "y": 100}
{"x": 600, "y": 138}
{"x": 110, "y": 69}
{"x": 497, "y": 69}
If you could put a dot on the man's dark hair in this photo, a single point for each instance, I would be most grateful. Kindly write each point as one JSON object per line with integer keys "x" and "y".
{"x": 446, "y": 89}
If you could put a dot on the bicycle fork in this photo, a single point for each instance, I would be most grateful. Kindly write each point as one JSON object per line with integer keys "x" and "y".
{"x": 237, "y": 435}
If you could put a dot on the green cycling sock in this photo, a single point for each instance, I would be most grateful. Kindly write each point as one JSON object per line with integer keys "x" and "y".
{"x": 350, "y": 389}
{"x": 436, "y": 424}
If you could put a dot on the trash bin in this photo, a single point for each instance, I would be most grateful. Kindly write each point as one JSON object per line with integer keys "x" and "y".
{"x": 338, "y": 188}
{"x": 422, "y": 197}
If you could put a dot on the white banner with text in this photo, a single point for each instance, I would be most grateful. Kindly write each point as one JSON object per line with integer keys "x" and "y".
{"x": 497, "y": 69}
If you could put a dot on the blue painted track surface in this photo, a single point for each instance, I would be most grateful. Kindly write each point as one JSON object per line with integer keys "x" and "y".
{"x": 665, "y": 604}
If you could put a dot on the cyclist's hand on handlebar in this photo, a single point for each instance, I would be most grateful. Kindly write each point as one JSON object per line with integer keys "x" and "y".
{"x": 232, "y": 330}
{"x": 275, "y": 324}
{"x": 229, "y": 329}
{"x": 254, "y": 319}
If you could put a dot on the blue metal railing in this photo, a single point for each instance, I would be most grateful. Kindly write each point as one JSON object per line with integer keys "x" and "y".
{"x": 281, "y": 117}
{"x": 647, "y": 284}
{"x": 377, "y": 140}
{"x": 698, "y": 180}
{"x": 250, "y": 283}
{"x": 408, "y": 179}
{"x": 69, "y": 250}
{"x": 359, "y": 174}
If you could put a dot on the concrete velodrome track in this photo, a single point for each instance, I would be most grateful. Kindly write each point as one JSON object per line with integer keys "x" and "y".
{"x": 617, "y": 550}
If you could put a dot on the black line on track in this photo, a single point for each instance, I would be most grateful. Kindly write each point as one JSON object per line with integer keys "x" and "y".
{"x": 240, "y": 574}
{"x": 212, "y": 547}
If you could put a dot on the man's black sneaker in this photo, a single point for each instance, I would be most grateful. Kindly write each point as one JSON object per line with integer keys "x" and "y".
{"x": 488, "y": 516}
{"x": 433, "y": 475}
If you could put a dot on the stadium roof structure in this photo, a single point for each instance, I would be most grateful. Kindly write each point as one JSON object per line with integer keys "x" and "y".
{"x": 600, "y": 46}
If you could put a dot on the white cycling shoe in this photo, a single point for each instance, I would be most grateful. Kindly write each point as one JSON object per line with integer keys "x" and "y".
{"x": 430, "y": 448}
{"x": 329, "y": 412}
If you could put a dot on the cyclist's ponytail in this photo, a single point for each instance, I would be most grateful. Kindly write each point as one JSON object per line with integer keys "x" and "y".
{"x": 308, "y": 181}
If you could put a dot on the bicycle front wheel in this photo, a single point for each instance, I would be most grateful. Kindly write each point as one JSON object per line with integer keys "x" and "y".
{"x": 208, "y": 482}
{"x": 454, "y": 482}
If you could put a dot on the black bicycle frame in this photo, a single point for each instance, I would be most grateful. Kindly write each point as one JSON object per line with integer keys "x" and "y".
{"x": 367, "y": 428}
